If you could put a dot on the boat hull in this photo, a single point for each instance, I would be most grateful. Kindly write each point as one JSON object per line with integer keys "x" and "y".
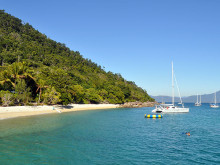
{"x": 171, "y": 110}
{"x": 197, "y": 104}
{"x": 214, "y": 106}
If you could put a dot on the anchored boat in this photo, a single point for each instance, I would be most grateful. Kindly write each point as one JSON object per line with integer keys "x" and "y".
{"x": 171, "y": 108}
{"x": 197, "y": 102}
{"x": 215, "y": 105}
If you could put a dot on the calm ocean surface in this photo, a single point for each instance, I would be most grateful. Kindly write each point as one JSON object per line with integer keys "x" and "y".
{"x": 114, "y": 136}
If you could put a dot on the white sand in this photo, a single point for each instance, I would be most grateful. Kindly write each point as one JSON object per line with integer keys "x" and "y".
{"x": 18, "y": 111}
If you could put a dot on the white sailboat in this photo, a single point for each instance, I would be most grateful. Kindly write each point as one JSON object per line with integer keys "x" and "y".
{"x": 215, "y": 105}
{"x": 197, "y": 102}
{"x": 200, "y": 100}
{"x": 171, "y": 108}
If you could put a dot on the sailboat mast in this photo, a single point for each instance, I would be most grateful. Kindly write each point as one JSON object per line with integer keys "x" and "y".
{"x": 197, "y": 98}
{"x": 215, "y": 97}
{"x": 172, "y": 85}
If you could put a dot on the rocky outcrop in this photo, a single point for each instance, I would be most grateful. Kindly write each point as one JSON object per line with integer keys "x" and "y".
{"x": 137, "y": 104}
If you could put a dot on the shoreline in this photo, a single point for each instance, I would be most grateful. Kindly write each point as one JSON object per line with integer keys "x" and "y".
{"x": 23, "y": 111}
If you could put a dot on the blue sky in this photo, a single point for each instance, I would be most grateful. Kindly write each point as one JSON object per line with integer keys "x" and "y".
{"x": 136, "y": 38}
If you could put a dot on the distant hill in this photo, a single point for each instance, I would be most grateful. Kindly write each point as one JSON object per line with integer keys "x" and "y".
{"x": 206, "y": 98}
{"x": 37, "y": 68}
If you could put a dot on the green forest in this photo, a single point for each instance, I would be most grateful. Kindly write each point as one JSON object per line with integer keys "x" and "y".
{"x": 34, "y": 69}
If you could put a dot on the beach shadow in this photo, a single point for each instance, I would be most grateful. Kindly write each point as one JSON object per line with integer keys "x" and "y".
{"x": 65, "y": 107}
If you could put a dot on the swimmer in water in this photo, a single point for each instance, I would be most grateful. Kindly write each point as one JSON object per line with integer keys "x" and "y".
{"x": 188, "y": 133}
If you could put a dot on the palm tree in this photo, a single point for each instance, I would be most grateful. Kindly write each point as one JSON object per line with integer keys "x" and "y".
{"x": 5, "y": 76}
{"x": 14, "y": 70}
{"x": 41, "y": 85}
{"x": 19, "y": 70}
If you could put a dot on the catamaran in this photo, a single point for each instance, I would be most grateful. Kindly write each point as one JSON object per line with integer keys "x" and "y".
{"x": 171, "y": 108}
{"x": 215, "y": 105}
{"x": 197, "y": 102}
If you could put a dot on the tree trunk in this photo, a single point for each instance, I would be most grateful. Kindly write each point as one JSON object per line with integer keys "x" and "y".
{"x": 39, "y": 96}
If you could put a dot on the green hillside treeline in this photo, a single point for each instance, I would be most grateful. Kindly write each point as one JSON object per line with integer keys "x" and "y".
{"x": 35, "y": 68}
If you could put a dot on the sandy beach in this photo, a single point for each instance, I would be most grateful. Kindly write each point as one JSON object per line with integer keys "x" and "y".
{"x": 19, "y": 111}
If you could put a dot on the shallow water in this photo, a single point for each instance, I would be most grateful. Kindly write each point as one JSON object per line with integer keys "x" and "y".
{"x": 114, "y": 136}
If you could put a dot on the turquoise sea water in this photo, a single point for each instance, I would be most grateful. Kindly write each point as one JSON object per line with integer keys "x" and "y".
{"x": 114, "y": 136}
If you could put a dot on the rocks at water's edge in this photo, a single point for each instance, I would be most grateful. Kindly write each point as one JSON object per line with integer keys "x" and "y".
{"x": 137, "y": 104}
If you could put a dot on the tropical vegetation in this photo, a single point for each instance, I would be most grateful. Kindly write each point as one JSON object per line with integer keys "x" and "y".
{"x": 37, "y": 69}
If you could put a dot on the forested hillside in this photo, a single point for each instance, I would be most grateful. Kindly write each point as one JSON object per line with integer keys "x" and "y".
{"x": 35, "y": 68}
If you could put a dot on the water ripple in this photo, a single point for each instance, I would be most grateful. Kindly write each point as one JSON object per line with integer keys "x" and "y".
{"x": 120, "y": 136}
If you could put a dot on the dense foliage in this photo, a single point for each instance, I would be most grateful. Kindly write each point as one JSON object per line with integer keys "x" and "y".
{"x": 35, "y": 68}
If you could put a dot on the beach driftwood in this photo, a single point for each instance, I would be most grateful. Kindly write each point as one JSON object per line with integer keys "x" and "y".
{"x": 137, "y": 104}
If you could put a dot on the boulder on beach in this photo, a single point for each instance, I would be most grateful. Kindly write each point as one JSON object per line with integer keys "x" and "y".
{"x": 137, "y": 104}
